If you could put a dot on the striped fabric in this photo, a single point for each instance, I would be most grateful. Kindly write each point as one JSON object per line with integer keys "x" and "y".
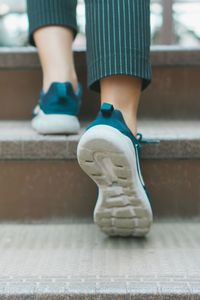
{"x": 118, "y": 34}
{"x": 51, "y": 12}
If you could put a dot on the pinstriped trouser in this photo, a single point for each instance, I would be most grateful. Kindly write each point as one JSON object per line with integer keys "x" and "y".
{"x": 118, "y": 34}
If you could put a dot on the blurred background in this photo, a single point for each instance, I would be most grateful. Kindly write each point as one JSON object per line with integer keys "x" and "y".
{"x": 173, "y": 22}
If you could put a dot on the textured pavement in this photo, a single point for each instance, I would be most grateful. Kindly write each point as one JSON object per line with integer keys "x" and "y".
{"x": 178, "y": 139}
{"x": 76, "y": 261}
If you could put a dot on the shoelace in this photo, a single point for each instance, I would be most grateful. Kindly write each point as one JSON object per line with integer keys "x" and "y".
{"x": 141, "y": 140}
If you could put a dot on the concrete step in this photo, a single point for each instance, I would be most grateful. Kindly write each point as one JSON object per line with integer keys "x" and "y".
{"x": 39, "y": 174}
{"x": 74, "y": 260}
{"x": 174, "y": 93}
{"x": 178, "y": 140}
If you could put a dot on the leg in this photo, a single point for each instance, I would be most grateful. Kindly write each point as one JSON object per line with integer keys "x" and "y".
{"x": 54, "y": 44}
{"x": 118, "y": 66}
{"x": 124, "y": 93}
{"x": 53, "y": 28}
{"x": 118, "y": 52}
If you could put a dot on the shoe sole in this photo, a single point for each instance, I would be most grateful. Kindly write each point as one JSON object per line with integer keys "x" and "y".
{"x": 55, "y": 124}
{"x": 109, "y": 158}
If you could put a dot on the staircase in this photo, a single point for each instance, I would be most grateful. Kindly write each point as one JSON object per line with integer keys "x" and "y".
{"x": 49, "y": 247}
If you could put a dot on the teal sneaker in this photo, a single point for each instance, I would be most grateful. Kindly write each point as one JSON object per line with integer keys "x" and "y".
{"x": 58, "y": 110}
{"x": 109, "y": 153}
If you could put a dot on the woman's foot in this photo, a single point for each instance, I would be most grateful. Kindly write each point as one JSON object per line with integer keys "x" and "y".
{"x": 109, "y": 153}
{"x": 58, "y": 109}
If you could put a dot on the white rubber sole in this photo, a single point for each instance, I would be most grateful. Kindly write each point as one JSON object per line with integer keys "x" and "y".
{"x": 109, "y": 158}
{"x": 55, "y": 123}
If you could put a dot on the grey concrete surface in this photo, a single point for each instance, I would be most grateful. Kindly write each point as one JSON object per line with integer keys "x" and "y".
{"x": 73, "y": 260}
{"x": 170, "y": 55}
{"x": 179, "y": 139}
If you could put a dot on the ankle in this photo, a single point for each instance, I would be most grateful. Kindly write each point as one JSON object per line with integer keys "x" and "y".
{"x": 129, "y": 113}
{"x": 124, "y": 93}
{"x": 131, "y": 122}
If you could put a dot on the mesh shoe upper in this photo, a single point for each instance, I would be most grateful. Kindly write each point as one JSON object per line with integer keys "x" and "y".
{"x": 113, "y": 117}
{"x": 61, "y": 99}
